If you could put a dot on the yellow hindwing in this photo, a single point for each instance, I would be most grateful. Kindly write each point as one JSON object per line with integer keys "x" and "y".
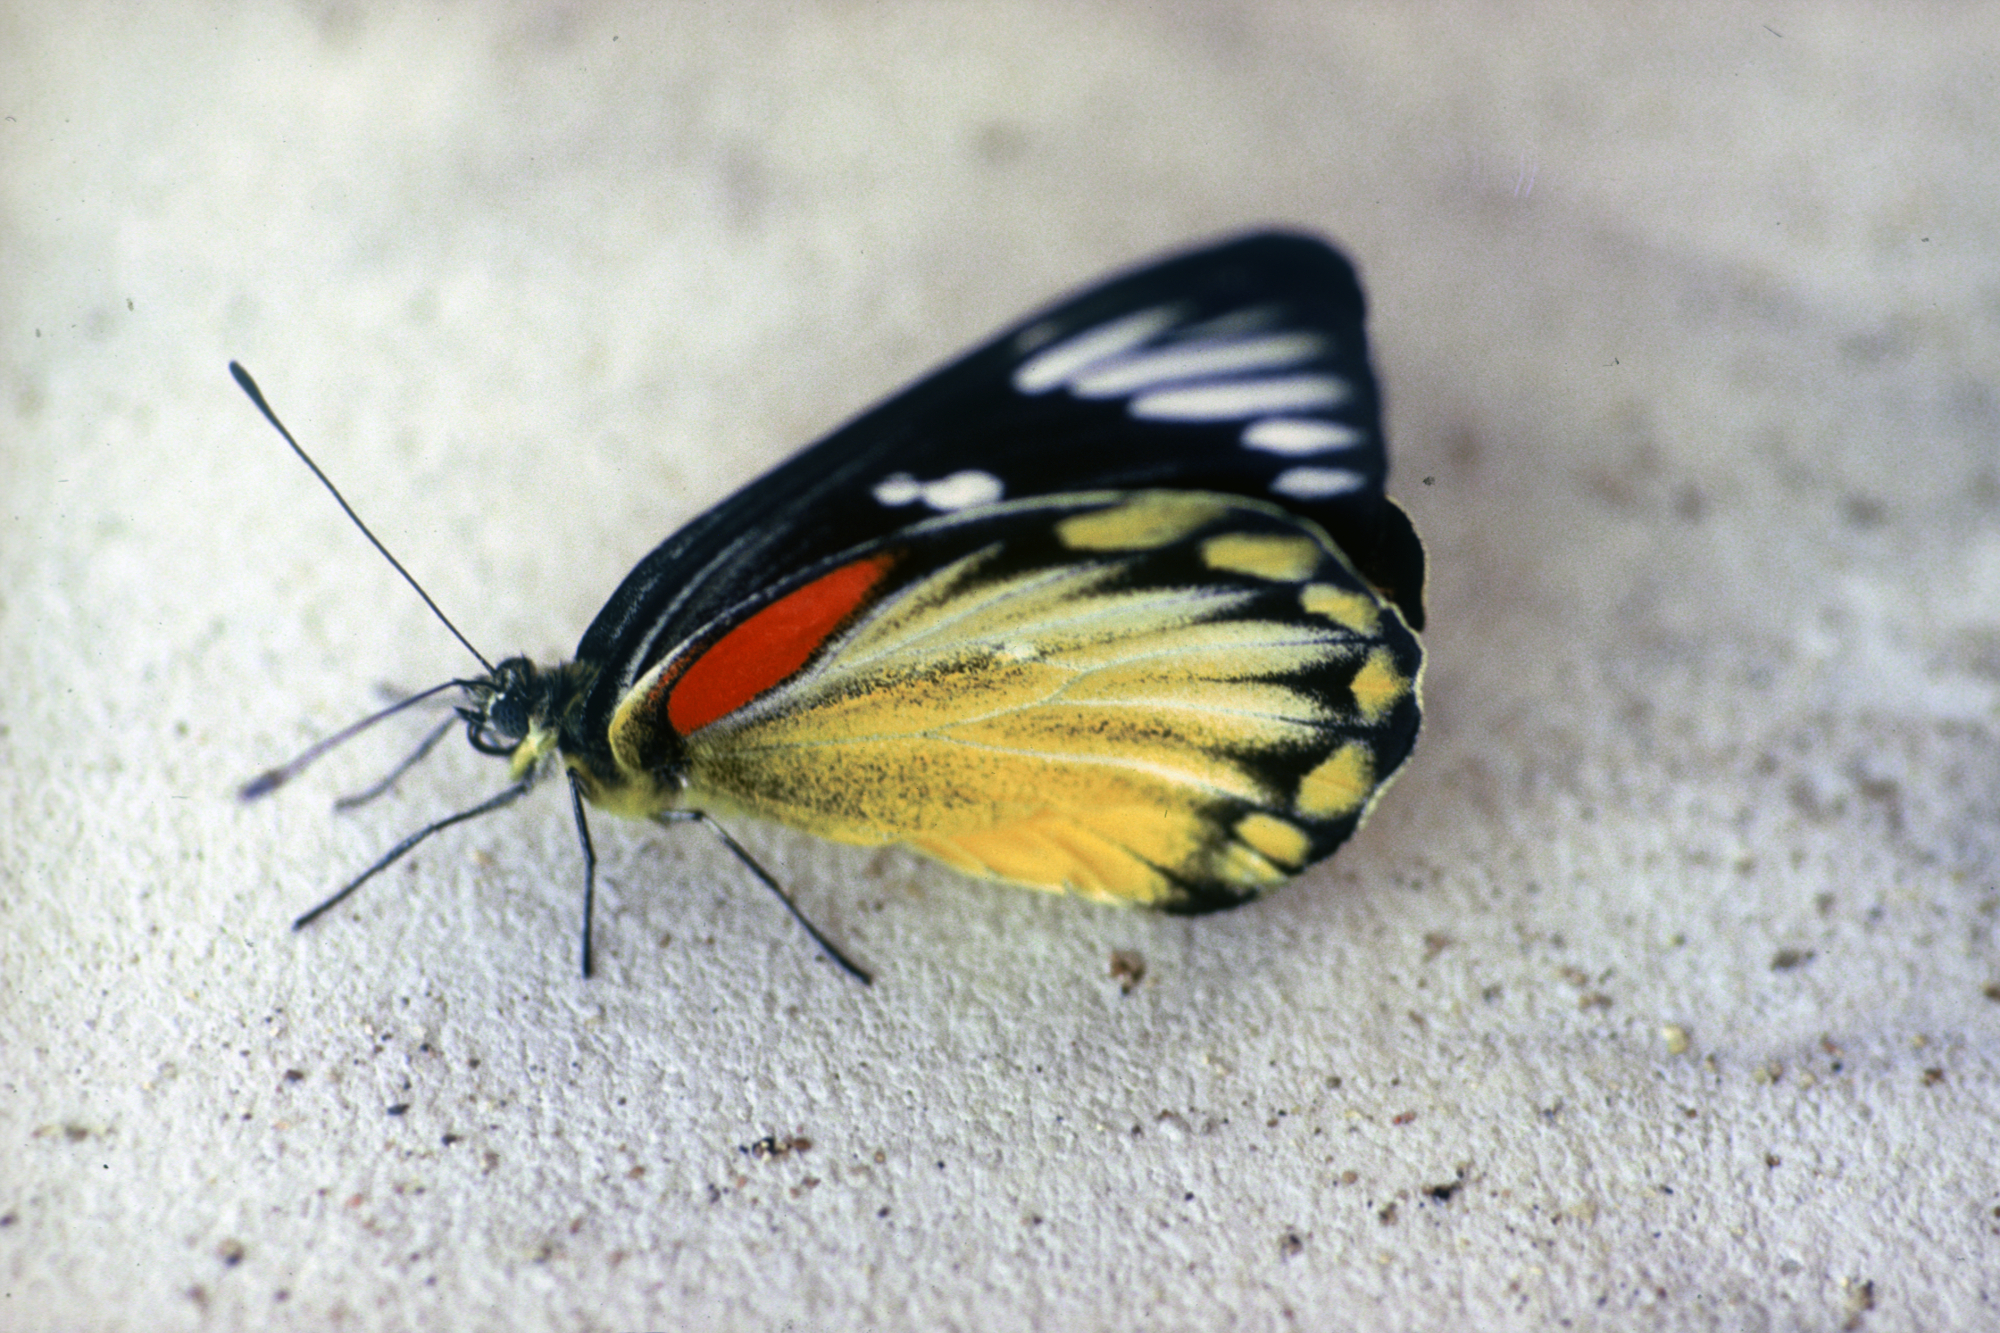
{"x": 1177, "y": 699}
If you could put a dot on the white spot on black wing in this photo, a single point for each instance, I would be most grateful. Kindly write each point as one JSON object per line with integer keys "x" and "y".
{"x": 1070, "y": 357}
{"x": 963, "y": 490}
{"x": 899, "y": 488}
{"x": 1300, "y": 436}
{"x": 1185, "y": 361}
{"x": 1232, "y": 400}
{"x": 1317, "y": 483}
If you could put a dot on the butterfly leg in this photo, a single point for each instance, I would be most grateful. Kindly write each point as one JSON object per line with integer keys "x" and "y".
{"x": 589, "y": 867}
{"x": 826, "y": 945}
{"x": 408, "y": 762}
{"x": 396, "y": 853}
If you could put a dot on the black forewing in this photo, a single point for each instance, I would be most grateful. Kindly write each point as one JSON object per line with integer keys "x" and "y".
{"x": 1241, "y": 368}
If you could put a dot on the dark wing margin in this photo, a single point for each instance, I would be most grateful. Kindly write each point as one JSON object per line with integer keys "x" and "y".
{"x": 1240, "y": 368}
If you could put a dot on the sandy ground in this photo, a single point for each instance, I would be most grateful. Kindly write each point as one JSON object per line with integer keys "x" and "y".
{"x": 1662, "y": 992}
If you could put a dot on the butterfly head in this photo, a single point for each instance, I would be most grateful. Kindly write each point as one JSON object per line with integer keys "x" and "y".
{"x": 520, "y": 709}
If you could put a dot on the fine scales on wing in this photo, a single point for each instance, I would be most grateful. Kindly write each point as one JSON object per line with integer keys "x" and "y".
{"x": 1116, "y": 604}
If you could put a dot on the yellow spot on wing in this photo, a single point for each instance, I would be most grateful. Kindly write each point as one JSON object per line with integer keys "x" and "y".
{"x": 1242, "y": 866}
{"x": 1339, "y": 786}
{"x": 1283, "y": 842}
{"x": 1378, "y": 685}
{"x": 1343, "y": 606}
{"x": 1282, "y": 558}
{"x": 1148, "y": 521}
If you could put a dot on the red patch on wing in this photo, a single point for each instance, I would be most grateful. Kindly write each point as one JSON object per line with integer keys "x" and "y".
{"x": 770, "y": 645}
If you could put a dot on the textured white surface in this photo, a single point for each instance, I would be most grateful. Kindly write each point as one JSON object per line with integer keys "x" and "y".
{"x": 1690, "y": 330}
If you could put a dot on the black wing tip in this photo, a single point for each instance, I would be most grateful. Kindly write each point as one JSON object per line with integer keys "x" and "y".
{"x": 1207, "y": 899}
{"x": 1271, "y": 261}
{"x": 1268, "y": 236}
{"x": 1271, "y": 245}
{"x": 1282, "y": 243}
{"x": 1398, "y": 563}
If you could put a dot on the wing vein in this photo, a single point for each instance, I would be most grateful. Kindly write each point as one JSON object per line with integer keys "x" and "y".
{"x": 1190, "y": 605}
{"x": 1166, "y": 772}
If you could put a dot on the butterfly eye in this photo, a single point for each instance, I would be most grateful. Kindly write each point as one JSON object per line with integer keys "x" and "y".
{"x": 506, "y": 714}
{"x": 509, "y": 715}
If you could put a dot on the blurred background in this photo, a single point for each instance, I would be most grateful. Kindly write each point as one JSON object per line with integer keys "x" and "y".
{"x": 1662, "y": 988}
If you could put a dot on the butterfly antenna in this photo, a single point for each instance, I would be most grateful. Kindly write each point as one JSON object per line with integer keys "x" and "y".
{"x": 273, "y": 778}
{"x": 249, "y": 386}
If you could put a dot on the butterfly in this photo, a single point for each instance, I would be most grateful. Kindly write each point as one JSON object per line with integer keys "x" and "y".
{"x": 1115, "y": 604}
